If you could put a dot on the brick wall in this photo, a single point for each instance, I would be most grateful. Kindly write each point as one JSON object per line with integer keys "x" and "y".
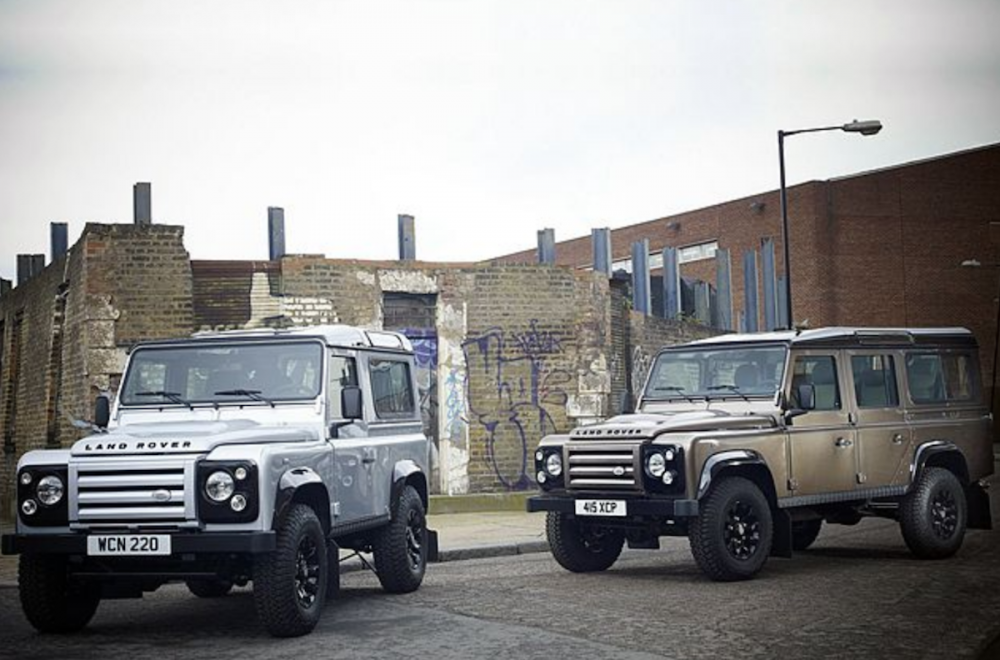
{"x": 117, "y": 285}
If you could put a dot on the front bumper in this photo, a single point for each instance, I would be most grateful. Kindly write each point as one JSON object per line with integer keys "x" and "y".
{"x": 198, "y": 543}
{"x": 635, "y": 506}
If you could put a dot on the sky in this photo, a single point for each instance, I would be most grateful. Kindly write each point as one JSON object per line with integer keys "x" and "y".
{"x": 485, "y": 120}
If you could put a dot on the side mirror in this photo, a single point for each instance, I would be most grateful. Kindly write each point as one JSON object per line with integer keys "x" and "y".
{"x": 807, "y": 396}
{"x": 102, "y": 411}
{"x": 350, "y": 402}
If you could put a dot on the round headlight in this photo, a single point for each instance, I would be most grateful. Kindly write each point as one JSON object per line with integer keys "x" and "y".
{"x": 553, "y": 464}
{"x": 50, "y": 490}
{"x": 238, "y": 503}
{"x": 669, "y": 455}
{"x": 28, "y": 507}
{"x": 668, "y": 477}
{"x": 219, "y": 486}
{"x": 541, "y": 476}
{"x": 25, "y": 478}
{"x": 656, "y": 465}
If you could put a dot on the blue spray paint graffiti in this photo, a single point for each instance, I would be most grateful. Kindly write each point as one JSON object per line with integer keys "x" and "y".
{"x": 526, "y": 389}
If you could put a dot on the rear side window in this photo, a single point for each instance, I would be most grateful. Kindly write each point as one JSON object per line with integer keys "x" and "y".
{"x": 939, "y": 378}
{"x": 391, "y": 388}
{"x": 875, "y": 381}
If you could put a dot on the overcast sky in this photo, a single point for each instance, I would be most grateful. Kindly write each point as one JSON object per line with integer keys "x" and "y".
{"x": 485, "y": 120}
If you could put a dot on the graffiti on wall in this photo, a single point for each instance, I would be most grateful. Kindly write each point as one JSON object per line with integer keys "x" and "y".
{"x": 525, "y": 390}
{"x": 641, "y": 361}
{"x": 425, "y": 356}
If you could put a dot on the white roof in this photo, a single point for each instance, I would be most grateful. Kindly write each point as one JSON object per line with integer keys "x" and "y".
{"x": 333, "y": 335}
{"x": 822, "y": 334}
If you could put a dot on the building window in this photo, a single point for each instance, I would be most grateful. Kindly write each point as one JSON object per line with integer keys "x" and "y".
{"x": 685, "y": 255}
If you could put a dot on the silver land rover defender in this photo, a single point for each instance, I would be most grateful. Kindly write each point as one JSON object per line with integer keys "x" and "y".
{"x": 746, "y": 444}
{"x": 228, "y": 458}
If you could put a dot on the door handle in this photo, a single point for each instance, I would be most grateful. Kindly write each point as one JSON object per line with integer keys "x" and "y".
{"x": 368, "y": 455}
{"x": 897, "y": 439}
{"x": 843, "y": 442}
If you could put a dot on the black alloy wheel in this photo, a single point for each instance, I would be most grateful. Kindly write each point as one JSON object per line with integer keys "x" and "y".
{"x": 742, "y": 530}
{"x": 307, "y": 571}
{"x": 944, "y": 514}
{"x": 415, "y": 535}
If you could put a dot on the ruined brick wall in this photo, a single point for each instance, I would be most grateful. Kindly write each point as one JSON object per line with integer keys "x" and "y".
{"x": 65, "y": 332}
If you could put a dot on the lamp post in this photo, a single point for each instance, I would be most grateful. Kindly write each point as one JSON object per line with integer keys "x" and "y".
{"x": 870, "y": 127}
{"x": 975, "y": 263}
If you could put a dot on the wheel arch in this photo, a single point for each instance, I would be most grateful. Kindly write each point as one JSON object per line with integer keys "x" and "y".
{"x": 302, "y": 486}
{"x": 943, "y": 454}
{"x": 408, "y": 473}
{"x": 742, "y": 463}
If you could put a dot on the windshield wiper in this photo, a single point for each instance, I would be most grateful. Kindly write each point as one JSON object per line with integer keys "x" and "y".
{"x": 731, "y": 388}
{"x": 672, "y": 388}
{"x": 253, "y": 394}
{"x": 173, "y": 397}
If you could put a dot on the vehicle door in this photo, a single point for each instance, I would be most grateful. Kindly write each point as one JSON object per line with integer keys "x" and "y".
{"x": 352, "y": 498}
{"x": 395, "y": 425}
{"x": 883, "y": 437}
{"x": 821, "y": 441}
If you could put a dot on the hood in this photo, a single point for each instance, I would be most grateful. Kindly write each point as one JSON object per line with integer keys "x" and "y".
{"x": 644, "y": 425}
{"x": 185, "y": 437}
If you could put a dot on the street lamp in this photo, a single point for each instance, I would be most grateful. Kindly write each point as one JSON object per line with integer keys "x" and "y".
{"x": 868, "y": 127}
{"x": 975, "y": 263}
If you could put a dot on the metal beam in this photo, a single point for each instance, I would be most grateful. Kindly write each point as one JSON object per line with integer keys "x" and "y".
{"x": 671, "y": 284}
{"x": 407, "y": 237}
{"x": 724, "y": 290}
{"x": 142, "y": 203}
{"x": 770, "y": 285}
{"x": 750, "y": 289}
{"x": 276, "y": 232}
{"x": 601, "y": 240}
{"x": 547, "y": 246}
{"x": 59, "y": 238}
{"x": 641, "y": 298}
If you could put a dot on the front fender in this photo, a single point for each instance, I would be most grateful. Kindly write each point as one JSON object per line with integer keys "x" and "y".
{"x": 290, "y": 483}
{"x": 715, "y": 463}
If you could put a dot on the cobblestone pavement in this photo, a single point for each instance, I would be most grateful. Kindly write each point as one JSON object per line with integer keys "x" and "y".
{"x": 857, "y": 594}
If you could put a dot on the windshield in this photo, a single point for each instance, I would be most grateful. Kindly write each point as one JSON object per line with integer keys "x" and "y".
{"x": 717, "y": 373}
{"x": 214, "y": 373}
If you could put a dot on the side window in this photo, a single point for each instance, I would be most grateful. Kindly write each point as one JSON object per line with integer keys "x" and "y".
{"x": 821, "y": 372}
{"x": 391, "y": 389}
{"x": 875, "y": 381}
{"x": 937, "y": 378}
{"x": 343, "y": 373}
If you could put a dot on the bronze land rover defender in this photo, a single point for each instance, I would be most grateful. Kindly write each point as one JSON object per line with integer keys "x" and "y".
{"x": 748, "y": 443}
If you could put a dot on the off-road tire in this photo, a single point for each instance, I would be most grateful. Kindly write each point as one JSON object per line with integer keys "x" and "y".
{"x": 933, "y": 515}
{"x": 400, "y": 547}
{"x": 731, "y": 537}
{"x": 804, "y": 533}
{"x": 579, "y": 549}
{"x": 207, "y": 588}
{"x": 52, "y": 602}
{"x": 289, "y": 584}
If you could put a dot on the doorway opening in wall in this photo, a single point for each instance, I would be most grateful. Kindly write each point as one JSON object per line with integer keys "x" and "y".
{"x": 415, "y": 315}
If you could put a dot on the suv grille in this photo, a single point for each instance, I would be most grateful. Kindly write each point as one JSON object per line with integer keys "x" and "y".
{"x": 122, "y": 492}
{"x": 602, "y": 466}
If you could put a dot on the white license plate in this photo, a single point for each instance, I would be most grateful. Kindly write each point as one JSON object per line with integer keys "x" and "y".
{"x": 120, "y": 545}
{"x": 600, "y": 508}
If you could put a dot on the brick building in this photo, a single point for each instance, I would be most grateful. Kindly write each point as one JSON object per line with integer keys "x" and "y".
{"x": 504, "y": 353}
{"x": 880, "y": 248}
